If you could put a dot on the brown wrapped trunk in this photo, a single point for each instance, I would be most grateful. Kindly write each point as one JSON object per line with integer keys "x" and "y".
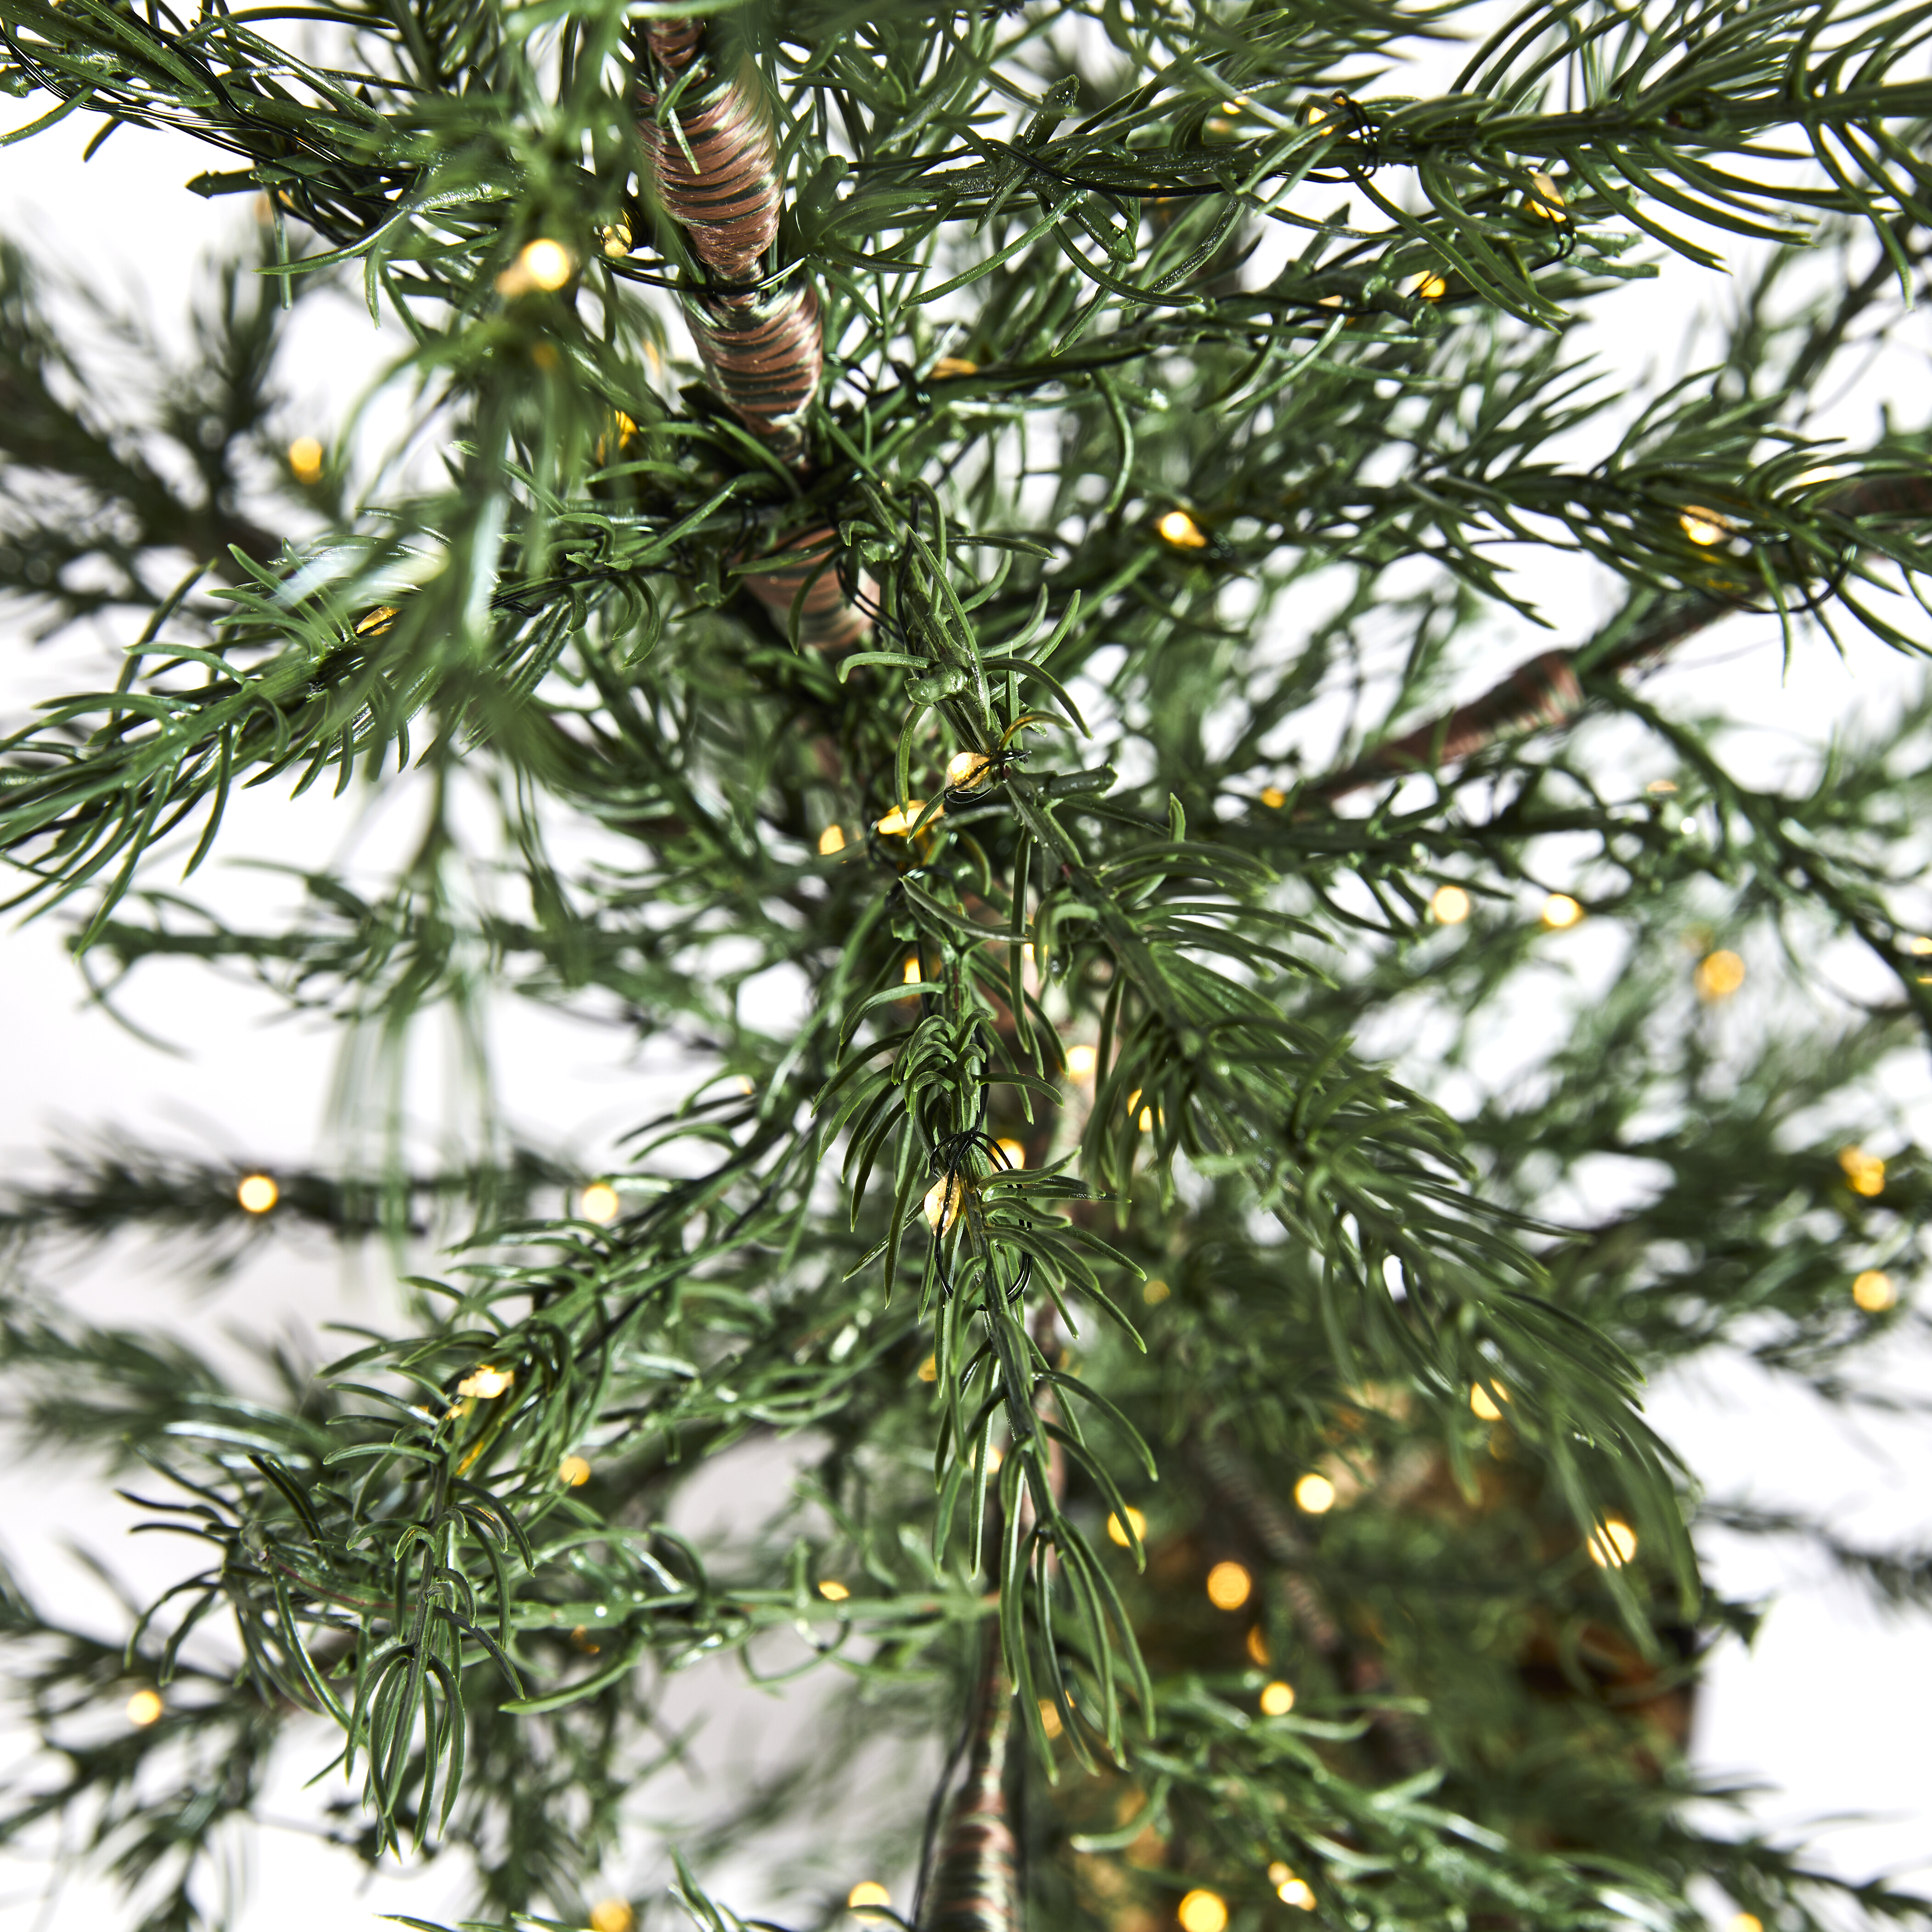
{"x": 756, "y": 324}
{"x": 975, "y": 1881}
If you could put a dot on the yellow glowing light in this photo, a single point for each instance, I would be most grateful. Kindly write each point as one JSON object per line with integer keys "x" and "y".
{"x": 1431, "y": 287}
{"x": 1703, "y": 526}
{"x": 964, "y": 769}
{"x": 910, "y": 975}
{"x": 833, "y": 1593}
{"x": 831, "y": 840}
{"x": 942, "y": 1202}
{"x": 1274, "y": 797}
{"x": 1661, "y": 787}
{"x": 1874, "y": 1292}
{"x": 1560, "y": 910}
{"x": 1080, "y": 1062}
{"x": 1117, "y": 1530}
{"x": 545, "y": 264}
{"x": 929, "y": 1369}
{"x": 1449, "y": 905}
{"x": 1745, "y": 1921}
{"x": 1234, "y": 106}
{"x": 1547, "y": 201}
{"x": 373, "y": 622}
{"x": 1314, "y": 1494}
{"x": 1155, "y": 1293}
{"x": 573, "y": 1472}
{"x": 305, "y": 459}
{"x": 1864, "y": 1173}
{"x": 1258, "y": 1646}
{"x": 954, "y": 365}
{"x": 1613, "y": 1544}
{"x": 1277, "y": 1699}
{"x": 257, "y": 1193}
{"x": 1718, "y": 976}
{"x": 1015, "y": 1152}
{"x": 1295, "y": 1891}
{"x": 1180, "y": 529}
{"x": 599, "y": 1202}
{"x": 1921, "y": 946}
{"x": 901, "y": 820}
{"x": 1049, "y": 1718}
{"x": 612, "y": 1915}
{"x": 145, "y": 1708}
{"x": 1201, "y": 1911}
{"x": 486, "y": 1381}
{"x": 1483, "y": 1403}
{"x": 866, "y": 1895}
{"x": 1229, "y": 1586}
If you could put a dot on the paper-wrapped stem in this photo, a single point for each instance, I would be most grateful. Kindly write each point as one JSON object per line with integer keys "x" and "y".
{"x": 975, "y": 1884}
{"x": 827, "y": 619}
{"x": 714, "y": 160}
{"x": 720, "y": 183}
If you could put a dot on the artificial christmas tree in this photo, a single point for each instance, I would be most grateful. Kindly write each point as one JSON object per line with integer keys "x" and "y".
{"x": 1024, "y": 635}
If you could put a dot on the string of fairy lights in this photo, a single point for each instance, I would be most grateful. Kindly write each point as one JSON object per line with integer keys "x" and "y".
{"x": 1228, "y": 1586}
{"x": 1716, "y": 974}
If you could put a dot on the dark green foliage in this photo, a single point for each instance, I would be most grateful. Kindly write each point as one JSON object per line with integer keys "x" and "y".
{"x": 1139, "y": 496}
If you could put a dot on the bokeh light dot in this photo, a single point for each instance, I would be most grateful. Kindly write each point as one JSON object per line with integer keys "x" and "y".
{"x": 1314, "y": 1494}
{"x": 1202, "y": 1911}
{"x": 1229, "y": 1586}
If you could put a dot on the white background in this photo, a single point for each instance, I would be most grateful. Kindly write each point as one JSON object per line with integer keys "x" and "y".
{"x": 1831, "y": 1711}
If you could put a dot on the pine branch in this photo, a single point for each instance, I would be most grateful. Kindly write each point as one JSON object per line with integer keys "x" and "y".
{"x": 146, "y": 1806}
{"x": 1548, "y": 690}
{"x": 202, "y": 413}
{"x": 117, "y": 1186}
{"x": 1898, "y": 1579}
